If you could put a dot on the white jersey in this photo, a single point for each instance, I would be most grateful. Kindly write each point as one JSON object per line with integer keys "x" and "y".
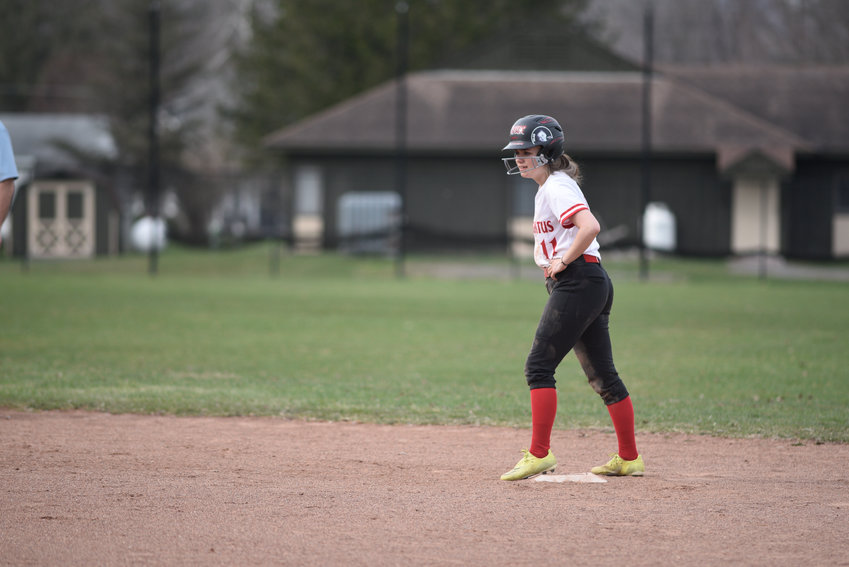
{"x": 556, "y": 201}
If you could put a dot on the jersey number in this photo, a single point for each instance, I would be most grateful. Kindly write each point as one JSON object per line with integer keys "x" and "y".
{"x": 553, "y": 243}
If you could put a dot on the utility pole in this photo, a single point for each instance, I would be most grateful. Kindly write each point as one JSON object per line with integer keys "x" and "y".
{"x": 402, "y": 10}
{"x": 645, "y": 193}
{"x": 153, "y": 136}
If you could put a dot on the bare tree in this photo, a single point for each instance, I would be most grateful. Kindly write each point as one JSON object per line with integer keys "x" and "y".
{"x": 729, "y": 31}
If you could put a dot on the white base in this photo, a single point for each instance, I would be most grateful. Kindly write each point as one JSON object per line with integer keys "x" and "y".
{"x": 581, "y": 477}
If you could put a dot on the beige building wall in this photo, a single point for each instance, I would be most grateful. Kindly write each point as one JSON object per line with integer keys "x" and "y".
{"x": 840, "y": 235}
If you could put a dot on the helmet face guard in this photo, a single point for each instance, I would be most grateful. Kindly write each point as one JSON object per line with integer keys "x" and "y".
{"x": 531, "y": 131}
{"x": 513, "y": 166}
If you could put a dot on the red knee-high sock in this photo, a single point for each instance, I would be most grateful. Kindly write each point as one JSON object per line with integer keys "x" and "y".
{"x": 543, "y": 411}
{"x": 622, "y": 414}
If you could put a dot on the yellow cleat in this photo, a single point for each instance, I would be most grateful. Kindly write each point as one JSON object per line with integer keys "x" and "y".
{"x": 617, "y": 466}
{"x": 530, "y": 466}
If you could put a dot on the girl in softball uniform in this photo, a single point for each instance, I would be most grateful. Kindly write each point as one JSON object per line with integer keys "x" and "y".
{"x": 580, "y": 297}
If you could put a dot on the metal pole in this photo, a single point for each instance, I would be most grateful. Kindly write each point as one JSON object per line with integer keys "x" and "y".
{"x": 645, "y": 193}
{"x": 153, "y": 134}
{"x": 402, "y": 10}
{"x": 762, "y": 263}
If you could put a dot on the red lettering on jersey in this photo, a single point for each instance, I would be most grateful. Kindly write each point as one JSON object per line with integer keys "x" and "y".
{"x": 542, "y": 227}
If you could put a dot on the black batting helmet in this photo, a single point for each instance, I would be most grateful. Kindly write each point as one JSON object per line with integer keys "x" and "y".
{"x": 538, "y": 130}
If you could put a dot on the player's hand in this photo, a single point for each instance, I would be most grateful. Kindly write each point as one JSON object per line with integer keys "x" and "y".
{"x": 556, "y": 267}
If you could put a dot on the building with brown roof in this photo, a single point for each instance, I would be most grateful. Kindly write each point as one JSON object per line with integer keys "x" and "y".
{"x": 753, "y": 161}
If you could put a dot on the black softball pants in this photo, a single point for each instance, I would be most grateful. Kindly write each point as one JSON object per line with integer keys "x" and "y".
{"x": 576, "y": 317}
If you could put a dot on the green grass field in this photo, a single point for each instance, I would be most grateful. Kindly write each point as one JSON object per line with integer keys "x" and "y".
{"x": 214, "y": 333}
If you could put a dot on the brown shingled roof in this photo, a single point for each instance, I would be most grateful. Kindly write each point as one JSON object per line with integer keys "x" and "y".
{"x": 471, "y": 111}
{"x": 809, "y": 101}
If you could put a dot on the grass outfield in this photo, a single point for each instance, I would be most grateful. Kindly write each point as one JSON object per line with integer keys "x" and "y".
{"x": 339, "y": 339}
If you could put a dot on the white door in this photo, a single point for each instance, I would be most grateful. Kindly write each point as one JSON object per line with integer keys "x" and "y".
{"x": 755, "y": 215}
{"x": 60, "y": 220}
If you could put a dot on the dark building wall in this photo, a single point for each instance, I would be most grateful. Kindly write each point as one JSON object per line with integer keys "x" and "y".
{"x": 690, "y": 186}
{"x": 103, "y": 208}
{"x": 809, "y": 202}
{"x": 458, "y": 204}
{"x": 453, "y": 204}
{"x": 612, "y": 189}
{"x": 700, "y": 199}
{"x": 345, "y": 175}
{"x": 464, "y": 204}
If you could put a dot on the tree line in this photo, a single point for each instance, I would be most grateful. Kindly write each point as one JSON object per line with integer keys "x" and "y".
{"x": 235, "y": 70}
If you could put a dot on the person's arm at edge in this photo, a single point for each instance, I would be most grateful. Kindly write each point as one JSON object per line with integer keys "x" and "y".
{"x": 7, "y": 191}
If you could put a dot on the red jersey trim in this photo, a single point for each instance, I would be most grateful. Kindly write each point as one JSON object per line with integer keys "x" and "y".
{"x": 564, "y": 218}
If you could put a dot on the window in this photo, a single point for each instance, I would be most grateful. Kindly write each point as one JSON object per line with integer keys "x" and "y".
{"x": 75, "y": 204}
{"x": 47, "y": 205}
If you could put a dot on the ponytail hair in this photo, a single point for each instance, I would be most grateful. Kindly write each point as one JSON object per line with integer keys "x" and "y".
{"x": 567, "y": 165}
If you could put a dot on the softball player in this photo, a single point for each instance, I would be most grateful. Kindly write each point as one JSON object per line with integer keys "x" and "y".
{"x": 580, "y": 297}
{"x": 8, "y": 174}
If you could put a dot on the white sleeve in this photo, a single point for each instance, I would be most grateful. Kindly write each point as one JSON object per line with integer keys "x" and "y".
{"x": 566, "y": 200}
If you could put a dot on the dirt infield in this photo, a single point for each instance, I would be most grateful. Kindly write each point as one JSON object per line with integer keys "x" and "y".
{"x": 98, "y": 489}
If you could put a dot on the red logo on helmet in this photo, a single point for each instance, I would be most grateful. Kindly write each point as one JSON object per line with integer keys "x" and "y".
{"x": 518, "y": 129}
